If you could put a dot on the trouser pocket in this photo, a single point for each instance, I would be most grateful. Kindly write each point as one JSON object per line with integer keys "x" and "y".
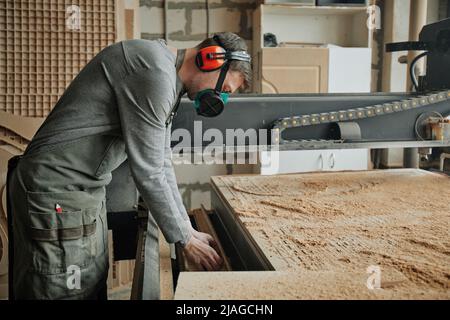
{"x": 62, "y": 230}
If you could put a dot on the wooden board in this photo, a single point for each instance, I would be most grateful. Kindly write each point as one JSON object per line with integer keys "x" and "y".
{"x": 110, "y": 280}
{"x": 6, "y": 152}
{"x": 12, "y": 142}
{"x": 165, "y": 269}
{"x": 3, "y": 208}
{"x": 204, "y": 225}
{"x": 25, "y": 127}
{"x": 308, "y": 285}
{"x": 3, "y": 287}
{"x": 10, "y": 149}
{"x": 127, "y": 20}
{"x": 3, "y": 248}
{"x": 294, "y": 70}
{"x": 332, "y": 222}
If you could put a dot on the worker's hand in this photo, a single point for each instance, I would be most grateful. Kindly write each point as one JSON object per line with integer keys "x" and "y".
{"x": 202, "y": 254}
{"x": 204, "y": 237}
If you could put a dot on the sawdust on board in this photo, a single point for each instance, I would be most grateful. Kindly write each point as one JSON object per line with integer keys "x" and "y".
{"x": 345, "y": 222}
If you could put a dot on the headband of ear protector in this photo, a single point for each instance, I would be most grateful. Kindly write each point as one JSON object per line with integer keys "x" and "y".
{"x": 211, "y": 102}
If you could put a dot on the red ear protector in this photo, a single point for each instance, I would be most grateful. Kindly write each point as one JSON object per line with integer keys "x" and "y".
{"x": 213, "y": 58}
{"x": 210, "y": 58}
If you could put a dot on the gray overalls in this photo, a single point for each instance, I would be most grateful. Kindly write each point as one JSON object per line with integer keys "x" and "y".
{"x": 118, "y": 107}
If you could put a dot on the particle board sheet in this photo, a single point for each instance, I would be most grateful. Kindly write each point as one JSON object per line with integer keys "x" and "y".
{"x": 347, "y": 222}
{"x": 280, "y": 285}
{"x": 44, "y": 44}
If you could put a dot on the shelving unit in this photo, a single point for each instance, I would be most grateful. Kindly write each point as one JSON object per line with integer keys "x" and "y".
{"x": 340, "y": 26}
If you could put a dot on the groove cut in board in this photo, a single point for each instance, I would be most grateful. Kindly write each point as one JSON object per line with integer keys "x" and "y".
{"x": 347, "y": 222}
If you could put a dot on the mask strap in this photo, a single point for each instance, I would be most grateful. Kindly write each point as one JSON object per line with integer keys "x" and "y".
{"x": 223, "y": 74}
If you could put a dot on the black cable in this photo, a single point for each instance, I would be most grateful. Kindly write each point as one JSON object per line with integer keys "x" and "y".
{"x": 412, "y": 72}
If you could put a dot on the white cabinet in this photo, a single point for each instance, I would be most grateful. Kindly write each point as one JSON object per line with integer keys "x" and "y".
{"x": 302, "y": 63}
{"x": 284, "y": 162}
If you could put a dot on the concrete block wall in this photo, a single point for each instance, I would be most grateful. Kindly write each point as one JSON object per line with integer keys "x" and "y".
{"x": 190, "y": 21}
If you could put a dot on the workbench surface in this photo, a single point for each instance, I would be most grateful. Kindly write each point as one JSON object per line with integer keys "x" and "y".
{"x": 348, "y": 224}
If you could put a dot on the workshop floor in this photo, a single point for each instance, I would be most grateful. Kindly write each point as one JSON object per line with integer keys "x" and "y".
{"x": 344, "y": 223}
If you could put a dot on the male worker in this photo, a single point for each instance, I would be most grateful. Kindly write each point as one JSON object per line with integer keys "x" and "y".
{"x": 119, "y": 106}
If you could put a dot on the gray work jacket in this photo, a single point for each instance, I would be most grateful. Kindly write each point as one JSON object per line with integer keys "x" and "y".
{"x": 124, "y": 95}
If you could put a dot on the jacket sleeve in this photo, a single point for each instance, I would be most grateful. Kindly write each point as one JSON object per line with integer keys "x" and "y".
{"x": 144, "y": 102}
{"x": 171, "y": 178}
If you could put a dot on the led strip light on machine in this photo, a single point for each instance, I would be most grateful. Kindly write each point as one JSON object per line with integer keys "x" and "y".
{"x": 354, "y": 114}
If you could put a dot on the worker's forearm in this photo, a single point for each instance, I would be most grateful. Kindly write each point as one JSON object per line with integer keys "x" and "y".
{"x": 171, "y": 177}
{"x": 158, "y": 196}
{"x": 171, "y": 180}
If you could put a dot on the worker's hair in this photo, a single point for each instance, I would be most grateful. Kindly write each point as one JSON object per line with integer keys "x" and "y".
{"x": 232, "y": 42}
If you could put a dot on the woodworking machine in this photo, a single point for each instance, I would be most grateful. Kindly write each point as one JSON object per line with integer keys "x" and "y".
{"x": 339, "y": 121}
{"x": 412, "y": 121}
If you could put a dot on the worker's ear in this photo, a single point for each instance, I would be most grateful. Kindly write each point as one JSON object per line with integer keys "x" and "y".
{"x": 210, "y": 58}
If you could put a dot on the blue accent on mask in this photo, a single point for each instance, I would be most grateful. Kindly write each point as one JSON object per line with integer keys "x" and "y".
{"x": 224, "y": 96}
